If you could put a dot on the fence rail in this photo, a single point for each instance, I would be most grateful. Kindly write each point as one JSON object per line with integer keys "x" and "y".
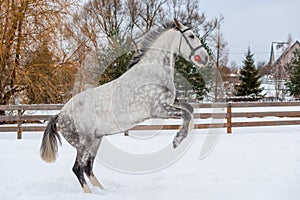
{"x": 19, "y": 118}
{"x": 20, "y": 121}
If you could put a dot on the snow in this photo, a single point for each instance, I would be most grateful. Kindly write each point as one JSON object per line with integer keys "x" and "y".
{"x": 252, "y": 163}
{"x": 269, "y": 90}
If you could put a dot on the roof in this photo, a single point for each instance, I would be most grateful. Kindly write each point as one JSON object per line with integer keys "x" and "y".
{"x": 279, "y": 49}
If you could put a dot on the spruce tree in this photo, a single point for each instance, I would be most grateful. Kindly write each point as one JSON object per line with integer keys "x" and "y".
{"x": 293, "y": 69}
{"x": 116, "y": 68}
{"x": 250, "y": 84}
{"x": 188, "y": 81}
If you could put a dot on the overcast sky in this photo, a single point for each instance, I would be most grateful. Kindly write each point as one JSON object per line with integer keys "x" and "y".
{"x": 255, "y": 23}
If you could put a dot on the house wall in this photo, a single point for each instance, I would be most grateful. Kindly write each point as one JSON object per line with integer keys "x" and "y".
{"x": 283, "y": 60}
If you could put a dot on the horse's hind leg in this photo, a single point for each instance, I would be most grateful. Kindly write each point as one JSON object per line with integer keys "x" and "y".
{"x": 78, "y": 170}
{"x": 89, "y": 172}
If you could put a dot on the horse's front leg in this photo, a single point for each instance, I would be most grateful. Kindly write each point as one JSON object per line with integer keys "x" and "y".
{"x": 189, "y": 108}
{"x": 169, "y": 111}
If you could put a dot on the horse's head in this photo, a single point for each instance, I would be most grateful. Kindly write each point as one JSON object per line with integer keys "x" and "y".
{"x": 190, "y": 46}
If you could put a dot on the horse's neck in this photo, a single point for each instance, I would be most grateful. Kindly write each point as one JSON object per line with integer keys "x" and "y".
{"x": 159, "y": 56}
{"x": 162, "y": 51}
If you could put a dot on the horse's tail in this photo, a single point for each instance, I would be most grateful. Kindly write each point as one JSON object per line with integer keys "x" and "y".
{"x": 49, "y": 144}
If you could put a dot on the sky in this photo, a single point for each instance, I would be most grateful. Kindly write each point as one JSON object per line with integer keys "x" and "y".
{"x": 255, "y": 23}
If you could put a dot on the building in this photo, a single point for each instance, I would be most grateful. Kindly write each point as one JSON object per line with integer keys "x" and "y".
{"x": 281, "y": 54}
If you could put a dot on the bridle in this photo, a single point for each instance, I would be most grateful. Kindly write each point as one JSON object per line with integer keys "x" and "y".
{"x": 193, "y": 50}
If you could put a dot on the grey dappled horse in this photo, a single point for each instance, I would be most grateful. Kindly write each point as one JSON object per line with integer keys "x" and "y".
{"x": 145, "y": 91}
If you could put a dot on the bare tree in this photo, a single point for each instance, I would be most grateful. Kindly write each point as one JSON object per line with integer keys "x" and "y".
{"x": 100, "y": 21}
{"x": 26, "y": 27}
{"x": 186, "y": 11}
{"x": 149, "y": 14}
{"x": 133, "y": 7}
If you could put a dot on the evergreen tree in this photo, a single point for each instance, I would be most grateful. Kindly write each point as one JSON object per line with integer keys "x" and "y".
{"x": 114, "y": 58}
{"x": 250, "y": 84}
{"x": 188, "y": 81}
{"x": 116, "y": 68}
{"x": 205, "y": 45}
{"x": 293, "y": 69}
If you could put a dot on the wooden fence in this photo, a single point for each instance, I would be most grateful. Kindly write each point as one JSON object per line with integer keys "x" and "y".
{"x": 18, "y": 119}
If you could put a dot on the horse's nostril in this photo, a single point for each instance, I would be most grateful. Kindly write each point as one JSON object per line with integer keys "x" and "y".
{"x": 205, "y": 60}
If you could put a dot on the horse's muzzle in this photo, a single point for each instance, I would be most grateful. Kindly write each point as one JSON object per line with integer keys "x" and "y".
{"x": 200, "y": 59}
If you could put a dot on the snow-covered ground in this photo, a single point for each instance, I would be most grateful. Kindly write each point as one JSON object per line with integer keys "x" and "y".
{"x": 258, "y": 163}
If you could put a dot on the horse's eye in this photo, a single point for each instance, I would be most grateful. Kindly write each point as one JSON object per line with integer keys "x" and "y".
{"x": 191, "y": 36}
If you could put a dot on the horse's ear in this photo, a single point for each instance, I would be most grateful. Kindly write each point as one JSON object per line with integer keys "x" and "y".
{"x": 178, "y": 24}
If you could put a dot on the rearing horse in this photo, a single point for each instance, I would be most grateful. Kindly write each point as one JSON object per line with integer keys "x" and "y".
{"x": 145, "y": 91}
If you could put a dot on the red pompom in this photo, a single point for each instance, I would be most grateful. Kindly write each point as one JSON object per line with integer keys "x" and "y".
{"x": 197, "y": 58}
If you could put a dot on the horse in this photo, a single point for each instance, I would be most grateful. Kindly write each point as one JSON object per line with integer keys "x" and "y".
{"x": 145, "y": 91}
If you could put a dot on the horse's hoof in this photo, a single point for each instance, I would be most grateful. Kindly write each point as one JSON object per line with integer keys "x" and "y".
{"x": 175, "y": 143}
{"x": 178, "y": 139}
{"x": 86, "y": 189}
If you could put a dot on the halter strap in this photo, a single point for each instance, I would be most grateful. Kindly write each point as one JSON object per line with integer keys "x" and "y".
{"x": 193, "y": 50}
{"x": 182, "y": 31}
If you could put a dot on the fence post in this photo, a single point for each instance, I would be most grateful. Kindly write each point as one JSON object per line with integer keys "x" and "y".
{"x": 19, "y": 123}
{"x": 126, "y": 133}
{"x": 229, "y": 115}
